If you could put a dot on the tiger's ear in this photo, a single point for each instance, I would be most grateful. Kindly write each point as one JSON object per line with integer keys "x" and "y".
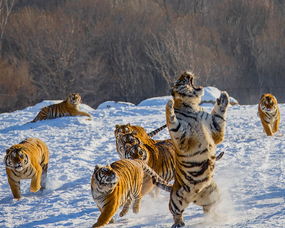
{"x": 97, "y": 167}
{"x": 128, "y": 124}
{"x": 117, "y": 126}
{"x": 262, "y": 96}
{"x": 171, "y": 92}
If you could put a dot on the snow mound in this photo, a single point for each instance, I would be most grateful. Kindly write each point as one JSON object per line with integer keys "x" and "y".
{"x": 155, "y": 101}
{"x": 210, "y": 96}
{"x": 212, "y": 93}
{"x": 37, "y": 107}
{"x": 114, "y": 104}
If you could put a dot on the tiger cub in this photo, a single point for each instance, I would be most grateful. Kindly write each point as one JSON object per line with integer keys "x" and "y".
{"x": 27, "y": 160}
{"x": 119, "y": 184}
{"x": 269, "y": 114}
{"x": 132, "y": 134}
{"x": 68, "y": 107}
{"x": 195, "y": 134}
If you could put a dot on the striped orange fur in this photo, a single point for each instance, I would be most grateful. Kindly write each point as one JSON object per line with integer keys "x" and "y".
{"x": 27, "y": 160}
{"x": 119, "y": 184}
{"x": 68, "y": 107}
{"x": 269, "y": 113}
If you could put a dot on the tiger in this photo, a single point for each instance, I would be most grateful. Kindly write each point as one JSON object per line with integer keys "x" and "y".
{"x": 68, "y": 107}
{"x": 120, "y": 184}
{"x": 195, "y": 134}
{"x": 269, "y": 113}
{"x": 27, "y": 160}
{"x": 132, "y": 134}
{"x": 159, "y": 156}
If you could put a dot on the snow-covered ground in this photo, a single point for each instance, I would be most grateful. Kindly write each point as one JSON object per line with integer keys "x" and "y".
{"x": 251, "y": 173}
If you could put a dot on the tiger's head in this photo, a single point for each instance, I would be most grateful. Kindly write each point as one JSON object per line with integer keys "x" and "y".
{"x": 105, "y": 178}
{"x": 185, "y": 91}
{"x": 122, "y": 129}
{"x": 74, "y": 99}
{"x": 268, "y": 103}
{"x": 137, "y": 151}
{"x": 16, "y": 158}
{"x": 130, "y": 139}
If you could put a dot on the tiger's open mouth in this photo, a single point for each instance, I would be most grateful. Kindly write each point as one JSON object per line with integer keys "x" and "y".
{"x": 191, "y": 83}
{"x": 18, "y": 167}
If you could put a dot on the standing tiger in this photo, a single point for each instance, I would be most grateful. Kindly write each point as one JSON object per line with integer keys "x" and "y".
{"x": 119, "y": 184}
{"x": 27, "y": 160}
{"x": 195, "y": 134}
{"x": 68, "y": 107}
{"x": 269, "y": 114}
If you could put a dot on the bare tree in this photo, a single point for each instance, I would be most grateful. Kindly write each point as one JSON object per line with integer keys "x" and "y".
{"x": 6, "y": 7}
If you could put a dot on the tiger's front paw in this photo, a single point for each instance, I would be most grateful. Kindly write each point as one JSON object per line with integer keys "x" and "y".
{"x": 224, "y": 99}
{"x": 170, "y": 104}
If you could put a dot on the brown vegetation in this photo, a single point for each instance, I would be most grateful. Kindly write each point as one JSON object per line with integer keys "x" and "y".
{"x": 129, "y": 50}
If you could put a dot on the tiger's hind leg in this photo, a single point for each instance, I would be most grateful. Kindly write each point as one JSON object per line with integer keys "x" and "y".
{"x": 179, "y": 200}
{"x": 125, "y": 207}
{"x": 137, "y": 204}
{"x": 44, "y": 176}
{"x": 208, "y": 197}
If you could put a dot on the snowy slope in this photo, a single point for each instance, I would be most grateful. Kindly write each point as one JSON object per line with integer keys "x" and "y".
{"x": 250, "y": 174}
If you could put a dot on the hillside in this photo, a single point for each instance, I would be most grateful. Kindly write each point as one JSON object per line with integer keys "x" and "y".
{"x": 52, "y": 48}
{"x": 251, "y": 173}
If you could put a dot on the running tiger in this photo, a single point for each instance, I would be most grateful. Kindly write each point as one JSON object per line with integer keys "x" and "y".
{"x": 132, "y": 134}
{"x": 119, "y": 184}
{"x": 195, "y": 134}
{"x": 27, "y": 160}
{"x": 69, "y": 107}
{"x": 269, "y": 114}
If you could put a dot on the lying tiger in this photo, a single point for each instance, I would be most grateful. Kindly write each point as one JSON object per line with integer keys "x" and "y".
{"x": 119, "y": 184}
{"x": 195, "y": 134}
{"x": 68, "y": 107}
{"x": 269, "y": 113}
{"x": 27, "y": 160}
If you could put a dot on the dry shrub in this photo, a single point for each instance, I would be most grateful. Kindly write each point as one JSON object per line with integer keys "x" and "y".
{"x": 16, "y": 88}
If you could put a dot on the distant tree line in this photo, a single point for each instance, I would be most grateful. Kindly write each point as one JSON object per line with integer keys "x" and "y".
{"x": 129, "y": 50}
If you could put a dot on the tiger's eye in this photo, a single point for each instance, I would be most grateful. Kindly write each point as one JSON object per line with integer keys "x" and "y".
{"x": 140, "y": 152}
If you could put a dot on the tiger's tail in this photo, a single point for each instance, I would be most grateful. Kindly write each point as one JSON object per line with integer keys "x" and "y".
{"x": 220, "y": 155}
{"x": 154, "y": 132}
{"x": 156, "y": 179}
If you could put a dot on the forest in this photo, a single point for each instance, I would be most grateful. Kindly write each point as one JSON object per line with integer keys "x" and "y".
{"x": 130, "y": 50}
